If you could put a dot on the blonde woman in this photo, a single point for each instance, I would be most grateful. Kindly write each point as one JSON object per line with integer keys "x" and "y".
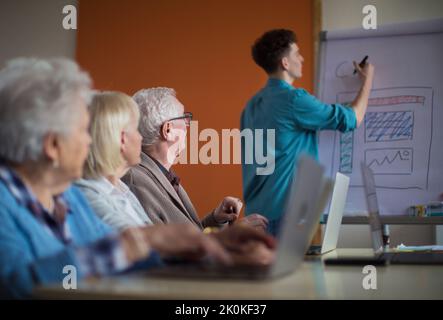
{"x": 116, "y": 146}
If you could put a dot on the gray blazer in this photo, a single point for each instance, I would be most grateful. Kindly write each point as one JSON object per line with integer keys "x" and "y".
{"x": 119, "y": 209}
{"x": 159, "y": 199}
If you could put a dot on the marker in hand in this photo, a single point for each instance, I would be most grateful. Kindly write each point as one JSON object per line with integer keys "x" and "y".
{"x": 361, "y": 64}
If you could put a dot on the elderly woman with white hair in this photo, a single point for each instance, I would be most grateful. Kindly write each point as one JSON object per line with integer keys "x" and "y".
{"x": 46, "y": 224}
{"x": 163, "y": 127}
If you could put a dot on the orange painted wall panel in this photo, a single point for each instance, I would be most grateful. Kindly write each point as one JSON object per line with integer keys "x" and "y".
{"x": 201, "y": 48}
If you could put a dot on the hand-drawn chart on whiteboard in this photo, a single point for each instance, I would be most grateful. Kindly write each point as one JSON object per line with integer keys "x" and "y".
{"x": 394, "y": 140}
{"x": 401, "y": 136}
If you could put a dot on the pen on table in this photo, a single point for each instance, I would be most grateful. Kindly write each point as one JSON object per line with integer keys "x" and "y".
{"x": 362, "y": 63}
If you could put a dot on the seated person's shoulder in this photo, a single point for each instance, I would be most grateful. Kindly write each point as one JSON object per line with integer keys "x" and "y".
{"x": 4, "y": 192}
{"x": 73, "y": 192}
{"x": 137, "y": 177}
{"x": 84, "y": 187}
{"x": 74, "y": 195}
{"x": 6, "y": 198}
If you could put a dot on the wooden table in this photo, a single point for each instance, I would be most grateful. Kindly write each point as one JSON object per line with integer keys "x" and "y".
{"x": 312, "y": 280}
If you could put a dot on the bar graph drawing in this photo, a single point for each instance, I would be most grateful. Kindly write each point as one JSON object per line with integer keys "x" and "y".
{"x": 389, "y": 126}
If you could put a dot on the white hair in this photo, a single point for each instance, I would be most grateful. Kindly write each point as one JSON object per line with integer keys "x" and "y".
{"x": 156, "y": 106}
{"x": 36, "y": 97}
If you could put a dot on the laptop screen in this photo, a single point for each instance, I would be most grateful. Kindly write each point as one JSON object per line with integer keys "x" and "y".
{"x": 373, "y": 208}
{"x": 335, "y": 212}
{"x": 301, "y": 215}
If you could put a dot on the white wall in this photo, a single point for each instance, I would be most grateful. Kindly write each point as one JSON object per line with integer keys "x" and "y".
{"x": 347, "y": 14}
{"x": 34, "y": 28}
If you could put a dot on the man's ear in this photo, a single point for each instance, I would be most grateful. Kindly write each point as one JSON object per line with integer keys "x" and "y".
{"x": 166, "y": 131}
{"x": 284, "y": 62}
{"x": 51, "y": 147}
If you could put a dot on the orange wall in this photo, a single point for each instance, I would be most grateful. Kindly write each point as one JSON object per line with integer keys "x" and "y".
{"x": 201, "y": 48}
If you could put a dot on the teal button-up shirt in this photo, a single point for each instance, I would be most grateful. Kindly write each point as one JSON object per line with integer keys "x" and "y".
{"x": 296, "y": 116}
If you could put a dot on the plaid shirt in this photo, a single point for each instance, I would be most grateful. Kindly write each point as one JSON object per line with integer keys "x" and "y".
{"x": 105, "y": 256}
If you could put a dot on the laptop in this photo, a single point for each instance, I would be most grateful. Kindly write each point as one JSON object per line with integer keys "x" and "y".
{"x": 335, "y": 214}
{"x": 382, "y": 257}
{"x": 308, "y": 195}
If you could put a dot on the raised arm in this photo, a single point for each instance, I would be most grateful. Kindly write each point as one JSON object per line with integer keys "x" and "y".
{"x": 360, "y": 102}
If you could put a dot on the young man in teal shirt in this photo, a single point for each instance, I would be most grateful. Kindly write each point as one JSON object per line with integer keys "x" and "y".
{"x": 295, "y": 116}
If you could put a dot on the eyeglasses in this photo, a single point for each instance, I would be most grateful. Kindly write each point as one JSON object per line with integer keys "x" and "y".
{"x": 187, "y": 116}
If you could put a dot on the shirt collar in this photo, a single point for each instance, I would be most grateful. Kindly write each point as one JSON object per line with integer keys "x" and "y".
{"x": 15, "y": 185}
{"x": 170, "y": 174}
{"x": 161, "y": 167}
{"x": 26, "y": 197}
{"x": 274, "y": 82}
{"x": 109, "y": 188}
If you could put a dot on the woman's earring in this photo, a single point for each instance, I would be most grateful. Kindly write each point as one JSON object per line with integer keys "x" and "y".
{"x": 55, "y": 164}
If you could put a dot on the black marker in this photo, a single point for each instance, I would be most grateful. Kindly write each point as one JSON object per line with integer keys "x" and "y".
{"x": 362, "y": 63}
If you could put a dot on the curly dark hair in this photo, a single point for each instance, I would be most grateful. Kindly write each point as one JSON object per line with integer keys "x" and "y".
{"x": 270, "y": 48}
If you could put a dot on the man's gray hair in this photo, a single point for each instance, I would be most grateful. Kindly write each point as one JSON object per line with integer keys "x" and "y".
{"x": 156, "y": 106}
{"x": 36, "y": 98}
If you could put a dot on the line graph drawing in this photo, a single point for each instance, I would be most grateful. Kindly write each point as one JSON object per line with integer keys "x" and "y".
{"x": 389, "y": 126}
{"x": 390, "y": 161}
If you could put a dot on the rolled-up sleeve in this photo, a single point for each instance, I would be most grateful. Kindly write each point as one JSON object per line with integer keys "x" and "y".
{"x": 312, "y": 114}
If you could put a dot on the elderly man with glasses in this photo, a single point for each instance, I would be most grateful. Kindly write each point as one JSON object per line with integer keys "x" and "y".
{"x": 163, "y": 126}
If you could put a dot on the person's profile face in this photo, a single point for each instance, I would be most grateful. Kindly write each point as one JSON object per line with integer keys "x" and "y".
{"x": 178, "y": 133}
{"x": 294, "y": 62}
{"x": 181, "y": 127}
{"x": 132, "y": 142}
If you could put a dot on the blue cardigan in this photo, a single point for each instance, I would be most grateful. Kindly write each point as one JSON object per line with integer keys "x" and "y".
{"x": 30, "y": 255}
